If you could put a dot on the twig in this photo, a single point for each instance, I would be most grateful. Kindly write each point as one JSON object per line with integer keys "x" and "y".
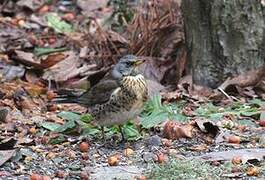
{"x": 229, "y": 97}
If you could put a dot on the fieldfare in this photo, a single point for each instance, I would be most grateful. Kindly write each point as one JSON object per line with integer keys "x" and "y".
{"x": 117, "y": 98}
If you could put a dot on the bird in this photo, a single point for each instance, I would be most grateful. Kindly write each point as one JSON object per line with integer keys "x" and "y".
{"x": 117, "y": 98}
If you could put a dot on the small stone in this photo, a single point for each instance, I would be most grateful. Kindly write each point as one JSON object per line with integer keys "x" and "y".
{"x": 160, "y": 158}
{"x": 167, "y": 142}
{"x": 84, "y": 175}
{"x": 154, "y": 141}
{"x": 148, "y": 157}
{"x": 262, "y": 122}
{"x": 85, "y": 156}
{"x": 236, "y": 160}
{"x": 235, "y": 169}
{"x": 234, "y": 139}
{"x": 173, "y": 152}
{"x": 128, "y": 152}
{"x": 50, "y": 95}
{"x": 51, "y": 155}
{"x": 35, "y": 177}
{"x": 84, "y": 146}
{"x": 3, "y": 114}
{"x": 33, "y": 130}
{"x": 60, "y": 174}
{"x": 10, "y": 127}
{"x": 113, "y": 161}
{"x": 141, "y": 177}
{"x": 46, "y": 178}
{"x": 252, "y": 171}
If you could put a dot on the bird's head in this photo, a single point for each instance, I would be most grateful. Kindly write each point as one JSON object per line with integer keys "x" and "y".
{"x": 126, "y": 66}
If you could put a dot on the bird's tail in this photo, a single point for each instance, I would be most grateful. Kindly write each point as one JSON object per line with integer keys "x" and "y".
{"x": 67, "y": 96}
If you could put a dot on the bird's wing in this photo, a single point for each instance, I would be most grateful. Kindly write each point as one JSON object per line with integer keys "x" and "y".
{"x": 98, "y": 94}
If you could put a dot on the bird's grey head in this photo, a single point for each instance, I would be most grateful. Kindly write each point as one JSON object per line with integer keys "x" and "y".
{"x": 126, "y": 67}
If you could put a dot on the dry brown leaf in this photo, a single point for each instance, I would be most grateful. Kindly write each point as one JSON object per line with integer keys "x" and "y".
{"x": 252, "y": 171}
{"x": 207, "y": 126}
{"x": 156, "y": 69}
{"x": 250, "y": 78}
{"x": 198, "y": 148}
{"x": 52, "y": 60}
{"x": 67, "y": 68}
{"x": 174, "y": 130}
{"x": 35, "y": 90}
{"x": 6, "y": 155}
{"x": 245, "y": 154}
{"x": 27, "y": 58}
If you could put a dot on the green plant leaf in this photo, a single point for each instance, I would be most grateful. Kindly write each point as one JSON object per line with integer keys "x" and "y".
{"x": 60, "y": 26}
{"x": 87, "y": 129}
{"x": 262, "y": 115}
{"x": 50, "y": 126}
{"x": 86, "y": 118}
{"x": 66, "y": 126}
{"x": 154, "y": 119}
{"x": 258, "y": 102}
{"x": 155, "y": 112}
{"x": 247, "y": 122}
{"x": 70, "y": 116}
{"x": 179, "y": 118}
{"x": 249, "y": 113}
{"x": 43, "y": 51}
{"x": 58, "y": 140}
{"x": 130, "y": 132}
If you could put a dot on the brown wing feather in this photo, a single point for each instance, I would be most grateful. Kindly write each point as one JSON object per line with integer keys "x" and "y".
{"x": 98, "y": 94}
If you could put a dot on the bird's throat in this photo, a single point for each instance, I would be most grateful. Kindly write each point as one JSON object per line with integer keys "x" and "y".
{"x": 135, "y": 84}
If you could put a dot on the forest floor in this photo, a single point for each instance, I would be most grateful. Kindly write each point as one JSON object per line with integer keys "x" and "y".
{"x": 181, "y": 134}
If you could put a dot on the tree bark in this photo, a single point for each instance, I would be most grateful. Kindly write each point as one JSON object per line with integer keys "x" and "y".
{"x": 223, "y": 38}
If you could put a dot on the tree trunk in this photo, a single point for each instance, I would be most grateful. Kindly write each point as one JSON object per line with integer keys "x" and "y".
{"x": 223, "y": 38}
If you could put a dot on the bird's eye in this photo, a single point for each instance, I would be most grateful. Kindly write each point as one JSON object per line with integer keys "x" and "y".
{"x": 129, "y": 63}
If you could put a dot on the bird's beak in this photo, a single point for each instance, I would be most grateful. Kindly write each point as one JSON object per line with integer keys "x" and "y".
{"x": 139, "y": 61}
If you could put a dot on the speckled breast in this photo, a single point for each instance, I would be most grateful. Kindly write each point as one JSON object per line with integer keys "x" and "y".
{"x": 125, "y": 103}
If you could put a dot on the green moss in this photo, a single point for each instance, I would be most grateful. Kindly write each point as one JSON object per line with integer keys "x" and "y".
{"x": 184, "y": 170}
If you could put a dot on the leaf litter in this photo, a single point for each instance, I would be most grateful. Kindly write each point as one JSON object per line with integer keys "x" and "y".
{"x": 49, "y": 44}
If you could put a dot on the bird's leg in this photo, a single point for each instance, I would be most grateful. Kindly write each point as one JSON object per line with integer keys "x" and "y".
{"x": 122, "y": 135}
{"x": 49, "y": 84}
{"x": 103, "y": 134}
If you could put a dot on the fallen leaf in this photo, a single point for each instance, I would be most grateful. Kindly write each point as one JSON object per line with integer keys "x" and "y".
{"x": 207, "y": 126}
{"x": 35, "y": 90}
{"x": 60, "y": 26}
{"x": 88, "y": 7}
{"x": 44, "y": 9}
{"x": 174, "y": 130}
{"x": 198, "y": 148}
{"x": 156, "y": 69}
{"x": 31, "y": 4}
{"x": 249, "y": 78}
{"x": 50, "y": 126}
{"x": 6, "y": 155}
{"x": 154, "y": 87}
{"x": 26, "y": 58}
{"x": 9, "y": 72}
{"x": 245, "y": 154}
{"x": 45, "y": 51}
{"x": 67, "y": 68}
{"x": 8, "y": 144}
{"x": 252, "y": 171}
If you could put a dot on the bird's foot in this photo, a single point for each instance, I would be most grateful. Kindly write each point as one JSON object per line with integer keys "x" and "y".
{"x": 123, "y": 140}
